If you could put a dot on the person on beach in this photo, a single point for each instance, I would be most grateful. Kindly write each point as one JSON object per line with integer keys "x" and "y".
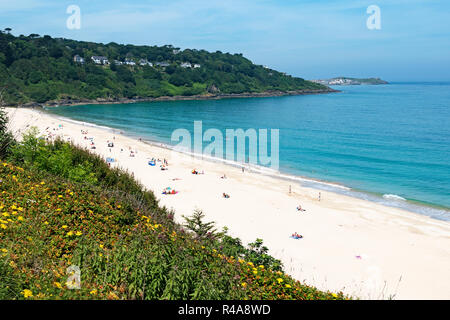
{"x": 297, "y": 236}
{"x": 299, "y": 208}
{"x": 319, "y": 196}
{"x": 226, "y": 196}
{"x": 223, "y": 177}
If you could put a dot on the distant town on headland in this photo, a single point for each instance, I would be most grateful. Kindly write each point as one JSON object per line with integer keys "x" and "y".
{"x": 343, "y": 81}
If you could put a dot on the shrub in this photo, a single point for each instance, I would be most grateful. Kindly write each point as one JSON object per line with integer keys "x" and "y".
{"x": 6, "y": 138}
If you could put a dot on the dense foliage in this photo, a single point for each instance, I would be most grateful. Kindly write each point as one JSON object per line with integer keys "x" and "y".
{"x": 6, "y": 138}
{"x": 125, "y": 246}
{"x": 41, "y": 69}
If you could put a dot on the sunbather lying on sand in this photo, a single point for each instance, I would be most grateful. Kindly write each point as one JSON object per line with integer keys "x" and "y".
{"x": 226, "y": 196}
{"x": 299, "y": 208}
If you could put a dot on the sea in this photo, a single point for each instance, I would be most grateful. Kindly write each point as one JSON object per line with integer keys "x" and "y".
{"x": 384, "y": 143}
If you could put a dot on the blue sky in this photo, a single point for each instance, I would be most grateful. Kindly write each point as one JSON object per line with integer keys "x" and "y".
{"x": 307, "y": 38}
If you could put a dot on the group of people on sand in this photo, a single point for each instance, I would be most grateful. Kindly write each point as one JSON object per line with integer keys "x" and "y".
{"x": 295, "y": 235}
{"x": 164, "y": 163}
{"x": 169, "y": 190}
{"x": 194, "y": 171}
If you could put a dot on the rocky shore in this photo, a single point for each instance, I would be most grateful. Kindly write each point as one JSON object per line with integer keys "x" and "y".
{"x": 73, "y": 102}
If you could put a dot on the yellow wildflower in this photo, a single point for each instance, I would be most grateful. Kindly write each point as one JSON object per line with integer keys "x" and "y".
{"x": 20, "y": 218}
{"x": 244, "y": 284}
{"x": 78, "y": 233}
{"x": 288, "y": 286}
{"x": 64, "y": 227}
{"x": 4, "y": 250}
{"x": 58, "y": 285}
{"x": 334, "y": 295}
{"x": 93, "y": 292}
{"x": 3, "y": 226}
{"x": 70, "y": 233}
{"x": 280, "y": 280}
{"x": 27, "y": 293}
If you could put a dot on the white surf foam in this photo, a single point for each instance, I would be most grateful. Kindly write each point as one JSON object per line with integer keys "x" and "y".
{"x": 393, "y": 197}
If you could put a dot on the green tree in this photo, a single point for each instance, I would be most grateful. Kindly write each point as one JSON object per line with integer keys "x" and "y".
{"x": 203, "y": 230}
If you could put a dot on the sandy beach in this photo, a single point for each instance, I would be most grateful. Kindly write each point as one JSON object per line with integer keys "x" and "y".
{"x": 363, "y": 248}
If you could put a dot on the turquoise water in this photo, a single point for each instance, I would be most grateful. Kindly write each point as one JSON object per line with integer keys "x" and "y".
{"x": 387, "y": 143}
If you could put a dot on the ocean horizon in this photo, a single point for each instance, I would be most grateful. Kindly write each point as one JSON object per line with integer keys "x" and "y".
{"x": 384, "y": 143}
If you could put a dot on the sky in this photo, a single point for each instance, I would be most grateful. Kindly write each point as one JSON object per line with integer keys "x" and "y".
{"x": 311, "y": 39}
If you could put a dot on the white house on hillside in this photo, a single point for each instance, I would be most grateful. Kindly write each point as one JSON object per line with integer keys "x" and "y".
{"x": 186, "y": 65}
{"x": 144, "y": 62}
{"x": 196, "y": 65}
{"x": 78, "y": 59}
{"x": 100, "y": 60}
{"x": 162, "y": 64}
{"x": 130, "y": 62}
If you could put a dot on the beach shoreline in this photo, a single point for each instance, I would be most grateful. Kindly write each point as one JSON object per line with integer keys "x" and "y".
{"x": 363, "y": 248}
{"x": 431, "y": 210}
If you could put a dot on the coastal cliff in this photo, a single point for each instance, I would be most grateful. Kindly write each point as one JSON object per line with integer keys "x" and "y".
{"x": 74, "y": 102}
